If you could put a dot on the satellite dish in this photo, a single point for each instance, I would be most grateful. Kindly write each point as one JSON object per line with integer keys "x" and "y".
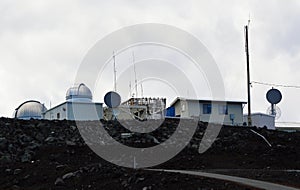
{"x": 112, "y": 99}
{"x": 274, "y": 96}
{"x": 275, "y": 111}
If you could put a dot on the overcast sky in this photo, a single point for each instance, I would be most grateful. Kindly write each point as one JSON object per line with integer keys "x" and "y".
{"x": 42, "y": 44}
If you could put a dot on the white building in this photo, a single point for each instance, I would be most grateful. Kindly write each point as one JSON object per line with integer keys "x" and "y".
{"x": 209, "y": 110}
{"x": 261, "y": 120}
{"x": 78, "y": 106}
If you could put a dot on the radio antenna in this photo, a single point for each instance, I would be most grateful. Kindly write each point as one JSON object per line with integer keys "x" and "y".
{"x": 115, "y": 72}
{"x": 135, "y": 80}
{"x": 142, "y": 90}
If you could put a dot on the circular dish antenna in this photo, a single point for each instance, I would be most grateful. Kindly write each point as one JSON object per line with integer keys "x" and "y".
{"x": 274, "y": 96}
{"x": 112, "y": 99}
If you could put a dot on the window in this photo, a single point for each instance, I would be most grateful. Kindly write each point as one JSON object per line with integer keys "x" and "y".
{"x": 206, "y": 108}
{"x": 223, "y": 109}
{"x": 58, "y": 115}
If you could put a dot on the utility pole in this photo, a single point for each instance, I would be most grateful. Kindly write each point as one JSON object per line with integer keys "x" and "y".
{"x": 248, "y": 75}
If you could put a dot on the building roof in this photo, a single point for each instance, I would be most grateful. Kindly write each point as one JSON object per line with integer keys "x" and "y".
{"x": 206, "y": 100}
{"x": 261, "y": 114}
{"x": 68, "y": 102}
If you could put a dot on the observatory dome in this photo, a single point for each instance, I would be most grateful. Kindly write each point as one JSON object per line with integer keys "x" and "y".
{"x": 79, "y": 93}
{"x": 30, "y": 109}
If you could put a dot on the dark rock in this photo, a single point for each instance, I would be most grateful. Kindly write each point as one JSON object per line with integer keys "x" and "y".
{"x": 70, "y": 143}
{"x": 93, "y": 169}
{"x": 26, "y": 176}
{"x": 60, "y": 152}
{"x": 8, "y": 171}
{"x": 26, "y": 157}
{"x": 124, "y": 183}
{"x": 5, "y": 159}
{"x": 17, "y": 171}
{"x": 73, "y": 127}
{"x": 50, "y": 139}
{"x": 25, "y": 139}
{"x": 140, "y": 179}
{"x": 15, "y": 187}
{"x": 59, "y": 182}
{"x": 15, "y": 181}
{"x": 68, "y": 175}
{"x": 3, "y": 143}
{"x": 78, "y": 173}
{"x": 61, "y": 167}
{"x": 33, "y": 146}
{"x": 11, "y": 148}
{"x": 39, "y": 137}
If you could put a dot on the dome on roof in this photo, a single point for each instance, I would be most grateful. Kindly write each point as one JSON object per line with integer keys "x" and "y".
{"x": 79, "y": 92}
{"x": 30, "y": 109}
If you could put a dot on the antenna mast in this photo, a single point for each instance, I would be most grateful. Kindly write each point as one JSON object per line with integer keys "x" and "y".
{"x": 130, "y": 93}
{"x": 115, "y": 73}
{"x": 248, "y": 74}
{"x": 135, "y": 80}
{"x": 142, "y": 90}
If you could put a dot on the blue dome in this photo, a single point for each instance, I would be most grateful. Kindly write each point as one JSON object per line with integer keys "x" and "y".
{"x": 30, "y": 109}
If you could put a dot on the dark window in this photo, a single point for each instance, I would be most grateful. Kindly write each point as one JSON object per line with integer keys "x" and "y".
{"x": 58, "y": 115}
{"x": 206, "y": 108}
{"x": 223, "y": 109}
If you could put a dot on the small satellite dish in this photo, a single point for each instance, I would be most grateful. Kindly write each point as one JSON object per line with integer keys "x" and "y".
{"x": 274, "y": 96}
{"x": 275, "y": 111}
{"x": 112, "y": 99}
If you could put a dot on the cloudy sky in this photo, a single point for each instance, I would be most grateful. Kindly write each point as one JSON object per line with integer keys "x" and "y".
{"x": 43, "y": 43}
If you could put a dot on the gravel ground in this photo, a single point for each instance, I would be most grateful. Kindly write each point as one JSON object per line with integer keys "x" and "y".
{"x": 40, "y": 154}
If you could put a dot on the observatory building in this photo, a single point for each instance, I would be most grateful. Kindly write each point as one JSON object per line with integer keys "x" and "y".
{"x": 79, "y": 105}
{"x": 205, "y": 110}
{"x": 31, "y": 109}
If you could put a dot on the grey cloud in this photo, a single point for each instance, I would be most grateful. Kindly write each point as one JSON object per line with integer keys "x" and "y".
{"x": 43, "y": 43}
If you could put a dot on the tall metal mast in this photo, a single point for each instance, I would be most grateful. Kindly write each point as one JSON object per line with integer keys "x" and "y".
{"x": 248, "y": 74}
{"x": 130, "y": 93}
{"x": 142, "y": 90}
{"x": 135, "y": 80}
{"x": 115, "y": 73}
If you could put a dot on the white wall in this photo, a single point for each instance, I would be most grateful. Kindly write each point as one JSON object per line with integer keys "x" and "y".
{"x": 182, "y": 108}
{"x": 237, "y": 110}
{"x": 194, "y": 108}
{"x": 78, "y": 110}
{"x": 84, "y": 111}
{"x": 51, "y": 114}
{"x": 261, "y": 120}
